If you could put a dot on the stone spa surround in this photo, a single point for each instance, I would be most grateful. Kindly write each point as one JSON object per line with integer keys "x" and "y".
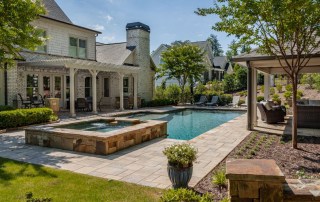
{"x": 92, "y": 142}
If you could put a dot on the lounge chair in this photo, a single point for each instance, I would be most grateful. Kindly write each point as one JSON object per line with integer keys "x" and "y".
{"x": 202, "y": 101}
{"x": 235, "y": 101}
{"x": 271, "y": 115}
{"x": 25, "y": 103}
{"x": 214, "y": 101}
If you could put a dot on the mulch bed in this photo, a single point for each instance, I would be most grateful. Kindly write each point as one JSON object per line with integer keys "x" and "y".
{"x": 294, "y": 163}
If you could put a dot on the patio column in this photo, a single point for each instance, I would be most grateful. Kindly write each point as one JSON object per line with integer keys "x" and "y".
{"x": 135, "y": 91}
{"x": 266, "y": 86}
{"x": 72, "y": 72}
{"x": 252, "y": 97}
{"x": 121, "y": 91}
{"x": 94, "y": 74}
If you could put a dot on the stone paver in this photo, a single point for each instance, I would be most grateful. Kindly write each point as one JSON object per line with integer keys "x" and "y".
{"x": 142, "y": 164}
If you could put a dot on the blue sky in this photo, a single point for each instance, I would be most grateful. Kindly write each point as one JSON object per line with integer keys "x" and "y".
{"x": 169, "y": 20}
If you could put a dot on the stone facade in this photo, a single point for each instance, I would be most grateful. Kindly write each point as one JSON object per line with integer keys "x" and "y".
{"x": 96, "y": 142}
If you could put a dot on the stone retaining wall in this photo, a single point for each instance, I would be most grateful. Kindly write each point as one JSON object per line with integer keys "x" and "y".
{"x": 95, "y": 142}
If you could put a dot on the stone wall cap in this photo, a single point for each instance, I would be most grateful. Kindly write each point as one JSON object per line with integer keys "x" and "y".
{"x": 253, "y": 170}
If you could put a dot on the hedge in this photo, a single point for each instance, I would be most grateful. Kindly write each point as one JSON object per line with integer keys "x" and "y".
{"x": 158, "y": 102}
{"x": 24, "y": 117}
{"x": 5, "y": 108}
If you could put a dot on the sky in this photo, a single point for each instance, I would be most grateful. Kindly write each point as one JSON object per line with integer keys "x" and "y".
{"x": 169, "y": 20}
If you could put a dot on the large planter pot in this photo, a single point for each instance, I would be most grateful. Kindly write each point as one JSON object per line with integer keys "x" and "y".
{"x": 179, "y": 177}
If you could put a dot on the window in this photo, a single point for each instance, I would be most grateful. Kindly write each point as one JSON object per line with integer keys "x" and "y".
{"x": 77, "y": 48}
{"x": 32, "y": 86}
{"x": 126, "y": 85}
{"x": 87, "y": 87}
{"x": 106, "y": 87}
{"x": 43, "y": 48}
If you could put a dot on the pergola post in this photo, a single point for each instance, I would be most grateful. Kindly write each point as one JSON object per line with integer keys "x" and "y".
{"x": 254, "y": 97}
{"x": 121, "y": 91}
{"x": 135, "y": 91}
{"x": 94, "y": 74}
{"x": 72, "y": 72}
{"x": 266, "y": 86}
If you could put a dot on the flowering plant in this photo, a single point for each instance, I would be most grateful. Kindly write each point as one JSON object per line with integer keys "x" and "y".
{"x": 181, "y": 155}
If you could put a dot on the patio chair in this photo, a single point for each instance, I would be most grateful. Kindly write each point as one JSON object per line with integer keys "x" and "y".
{"x": 271, "y": 115}
{"x": 25, "y": 103}
{"x": 82, "y": 104}
{"x": 202, "y": 101}
{"x": 235, "y": 101}
{"x": 38, "y": 102}
{"x": 214, "y": 101}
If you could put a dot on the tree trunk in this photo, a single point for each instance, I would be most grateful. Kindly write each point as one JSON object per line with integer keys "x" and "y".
{"x": 294, "y": 112}
{"x": 191, "y": 92}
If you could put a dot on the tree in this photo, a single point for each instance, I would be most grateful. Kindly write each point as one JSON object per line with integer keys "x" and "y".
{"x": 184, "y": 62}
{"x": 284, "y": 29}
{"x": 216, "y": 46}
{"x": 16, "y": 31}
{"x": 229, "y": 83}
{"x": 233, "y": 50}
{"x": 241, "y": 77}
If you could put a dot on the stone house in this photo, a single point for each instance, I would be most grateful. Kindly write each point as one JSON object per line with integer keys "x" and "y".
{"x": 73, "y": 65}
{"x": 216, "y": 66}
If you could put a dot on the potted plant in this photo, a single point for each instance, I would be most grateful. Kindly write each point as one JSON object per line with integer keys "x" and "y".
{"x": 180, "y": 163}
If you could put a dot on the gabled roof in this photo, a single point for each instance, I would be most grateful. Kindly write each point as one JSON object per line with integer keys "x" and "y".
{"x": 55, "y": 12}
{"x": 115, "y": 53}
{"x": 220, "y": 62}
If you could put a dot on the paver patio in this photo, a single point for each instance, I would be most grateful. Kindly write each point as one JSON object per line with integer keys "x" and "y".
{"x": 142, "y": 164}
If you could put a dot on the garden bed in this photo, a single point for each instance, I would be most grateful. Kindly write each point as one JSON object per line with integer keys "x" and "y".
{"x": 294, "y": 163}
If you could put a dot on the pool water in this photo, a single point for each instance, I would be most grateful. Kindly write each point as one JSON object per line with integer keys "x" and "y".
{"x": 188, "y": 124}
{"x": 98, "y": 126}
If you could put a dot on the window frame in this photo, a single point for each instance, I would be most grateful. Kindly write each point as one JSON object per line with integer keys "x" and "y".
{"x": 87, "y": 87}
{"x": 77, "y": 55}
{"x": 45, "y": 31}
{"x": 126, "y": 87}
{"x": 35, "y": 88}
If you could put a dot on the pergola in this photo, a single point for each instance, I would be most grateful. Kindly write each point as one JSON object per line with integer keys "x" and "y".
{"x": 269, "y": 65}
{"x": 94, "y": 68}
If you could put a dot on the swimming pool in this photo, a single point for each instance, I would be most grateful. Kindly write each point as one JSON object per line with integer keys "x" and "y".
{"x": 188, "y": 124}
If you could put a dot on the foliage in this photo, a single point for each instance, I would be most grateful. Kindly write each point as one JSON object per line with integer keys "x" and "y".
{"x": 288, "y": 95}
{"x": 25, "y": 117}
{"x": 309, "y": 80}
{"x": 184, "y": 62}
{"x": 282, "y": 29}
{"x": 215, "y": 86}
{"x": 262, "y": 89}
{"x": 276, "y": 99}
{"x": 16, "y": 31}
{"x": 225, "y": 99}
{"x": 289, "y": 87}
{"x": 260, "y": 79}
{"x": 225, "y": 199}
{"x": 172, "y": 92}
{"x": 243, "y": 93}
{"x": 30, "y": 198}
{"x": 279, "y": 88}
{"x": 272, "y": 91}
{"x": 158, "y": 102}
{"x": 181, "y": 155}
{"x": 5, "y": 108}
{"x": 17, "y": 178}
{"x": 241, "y": 102}
{"x": 260, "y": 98}
{"x": 229, "y": 84}
{"x": 200, "y": 89}
{"x": 241, "y": 76}
{"x": 233, "y": 50}
{"x": 216, "y": 46}
{"x": 184, "y": 195}
{"x": 159, "y": 92}
{"x": 219, "y": 179}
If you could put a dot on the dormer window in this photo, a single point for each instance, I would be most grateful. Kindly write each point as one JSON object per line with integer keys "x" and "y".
{"x": 43, "y": 48}
{"x": 77, "y": 48}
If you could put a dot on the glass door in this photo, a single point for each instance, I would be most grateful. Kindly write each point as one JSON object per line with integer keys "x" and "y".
{"x": 52, "y": 87}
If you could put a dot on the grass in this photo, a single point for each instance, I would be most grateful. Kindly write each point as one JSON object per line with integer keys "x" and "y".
{"x": 17, "y": 179}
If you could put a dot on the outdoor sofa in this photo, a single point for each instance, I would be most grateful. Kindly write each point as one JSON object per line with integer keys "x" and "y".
{"x": 308, "y": 113}
{"x": 271, "y": 114}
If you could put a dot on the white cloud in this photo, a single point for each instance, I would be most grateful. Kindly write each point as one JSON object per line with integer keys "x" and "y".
{"x": 109, "y": 38}
{"x": 98, "y": 27}
{"x": 108, "y": 18}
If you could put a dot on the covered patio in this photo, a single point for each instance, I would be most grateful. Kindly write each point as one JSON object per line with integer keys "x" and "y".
{"x": 270, "y": 65}
{"x": 72, "y": 67}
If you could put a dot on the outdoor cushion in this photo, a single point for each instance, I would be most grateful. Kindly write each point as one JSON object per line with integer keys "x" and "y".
{"x": 314, "y": 102}
{"x": 266, "y": 105}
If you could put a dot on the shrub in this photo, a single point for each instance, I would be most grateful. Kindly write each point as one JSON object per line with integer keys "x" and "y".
{"x": 172, "y": 92}
{"x": 200, "y": 89}
{"x": 181, "y": 155}
{"x": 219, "y": 179}
{"x": 184, "y": 195}
{"x": 159, "y": 92}
{"x": 287, "y": 95}
{"x": 260, "y": 98}
{"x": 225, "y": 99}
{"x": 276, "y": 98}
{"x": 279, "y": 88}
{"x": 243, "y": 93}
{"x": 272, "y": 91}
{"x": 299, "y": 94}
{"x": 5, "y": 108}
{"x": 158, "y": 102}
{"x": 24, "y": 117}
{"x": 262, "y": 89}
{"x": 229, "y": 82}
{"x": 289, "y": 87}
{"x": 241, "y": 77}
{"x": 241, "y": 102}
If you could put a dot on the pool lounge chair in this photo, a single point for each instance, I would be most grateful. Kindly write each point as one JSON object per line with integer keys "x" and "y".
{"x": 202, "y": 101}
{"x": 214, "y": 101}
{"x": 235, "y": 101}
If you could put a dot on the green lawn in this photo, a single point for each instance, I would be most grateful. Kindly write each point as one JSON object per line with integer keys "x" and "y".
{"x": 16, "y": 179}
